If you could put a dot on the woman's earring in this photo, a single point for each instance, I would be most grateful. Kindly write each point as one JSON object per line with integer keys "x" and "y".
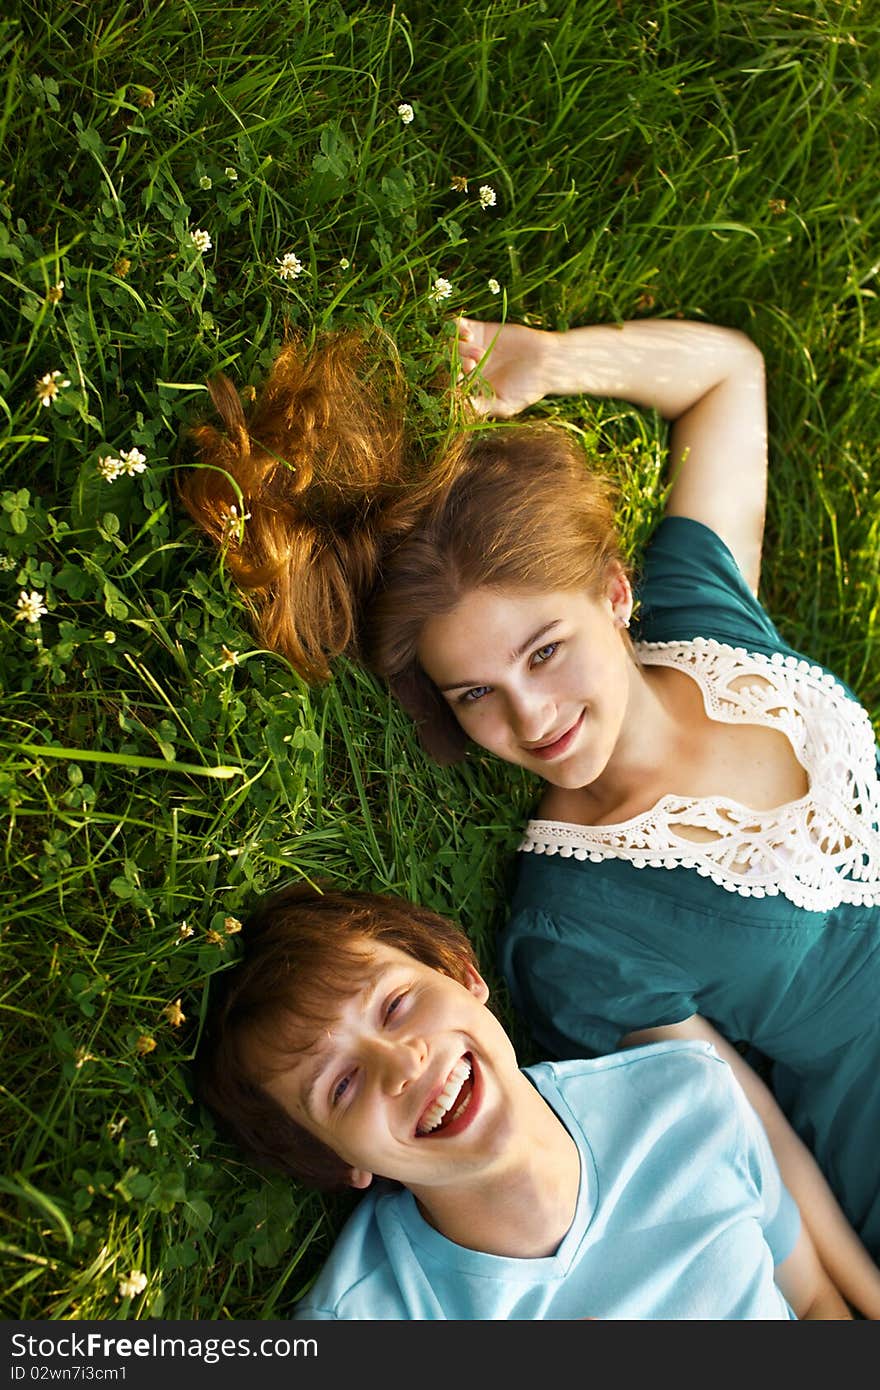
{"x": 623, "y": 622}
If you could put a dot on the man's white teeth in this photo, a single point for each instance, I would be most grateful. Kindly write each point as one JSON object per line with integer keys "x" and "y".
{"x": 436, "y": 1112}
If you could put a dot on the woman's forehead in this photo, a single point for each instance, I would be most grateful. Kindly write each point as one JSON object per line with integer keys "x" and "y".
{"x": 503, "y": 623}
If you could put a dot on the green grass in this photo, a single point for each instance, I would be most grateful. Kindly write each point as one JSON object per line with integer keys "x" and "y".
{"x": 713, "y": 160}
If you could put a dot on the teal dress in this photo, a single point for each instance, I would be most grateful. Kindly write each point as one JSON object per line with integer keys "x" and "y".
{"x": 768, "y": 924}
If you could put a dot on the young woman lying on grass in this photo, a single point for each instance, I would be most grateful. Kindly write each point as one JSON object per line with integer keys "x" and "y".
{"x": 705, "y": 860}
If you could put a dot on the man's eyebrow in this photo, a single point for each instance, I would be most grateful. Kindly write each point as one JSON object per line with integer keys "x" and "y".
{"x": 514, "y": 655}
{"x": 310, "y": 1082}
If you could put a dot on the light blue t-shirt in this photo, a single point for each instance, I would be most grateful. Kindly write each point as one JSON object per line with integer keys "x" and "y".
{"x": 681, "y": 1212}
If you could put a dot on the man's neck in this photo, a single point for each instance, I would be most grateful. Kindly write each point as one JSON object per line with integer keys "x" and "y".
{"x": 523, "y": 1208}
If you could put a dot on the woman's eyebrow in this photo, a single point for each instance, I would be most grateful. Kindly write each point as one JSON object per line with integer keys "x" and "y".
{"x": 520, "y": 651}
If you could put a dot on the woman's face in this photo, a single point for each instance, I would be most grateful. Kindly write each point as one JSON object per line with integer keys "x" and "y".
{"x": 541, "y": 679}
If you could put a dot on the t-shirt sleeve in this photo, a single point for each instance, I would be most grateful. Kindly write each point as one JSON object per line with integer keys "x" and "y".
{"x": 308, "y": 1312}
{"x": 582, "y": 991}
{"x": 782, "y": 1232}
{"x": 780, "y": 1218}
{"x": 691, "y": 586}
{"x": 357, "y": 1281}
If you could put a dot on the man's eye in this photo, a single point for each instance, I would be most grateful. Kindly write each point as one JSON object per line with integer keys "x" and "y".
{"x": 470, "y": 697}
{"x": 394, "y": 1004}
{"x": 340, "y": 1089}
{"x": 544, "y": 653}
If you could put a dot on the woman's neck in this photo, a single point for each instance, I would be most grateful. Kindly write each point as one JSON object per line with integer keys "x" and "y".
{"x": 654, "y": 732}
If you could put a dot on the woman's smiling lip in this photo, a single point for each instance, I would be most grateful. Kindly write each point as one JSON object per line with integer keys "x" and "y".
{"x": 559, "y": 745}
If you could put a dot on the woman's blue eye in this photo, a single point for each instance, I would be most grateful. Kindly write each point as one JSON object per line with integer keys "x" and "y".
{"x": 544, "y": 653}
{"x": 470, "y": 697}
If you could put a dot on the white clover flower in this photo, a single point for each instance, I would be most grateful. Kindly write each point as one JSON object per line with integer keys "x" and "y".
{"x": 133, "y": 461}
{"x": 231, "y": 174}
{"x": 31, "y": 607}
{"x": 289, "y": 266}
{"x": 441, "y": 289}
{"x": 133, "y": 1285}
{"x": 206, "y": 182}
{"x": 152, "y": 1139}
{"x": 487, "y": 196}
{"x": 493, "y": 285}
{"x": 201, "y": 240}
{"x": 55, "y": 293}
{"x": 7, "y": 562}
{"x": 405, "y": 112}
{"x": 232, "y": 524}
{"x": 110, "y": 468}
{"x": 130, "y": 461}
{"x": 344, "y": 263}
{"x": 184, "y": 931}
{"x": 48, "y": 386}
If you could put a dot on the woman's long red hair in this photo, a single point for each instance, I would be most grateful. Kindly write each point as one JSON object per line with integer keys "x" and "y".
{"x": 347, "y": 544}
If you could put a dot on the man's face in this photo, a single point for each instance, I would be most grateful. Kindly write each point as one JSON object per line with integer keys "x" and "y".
{"x": 412, "y": 1079}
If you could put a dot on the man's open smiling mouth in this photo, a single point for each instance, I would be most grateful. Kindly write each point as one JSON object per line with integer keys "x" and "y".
{"x": 452, "y": 1102}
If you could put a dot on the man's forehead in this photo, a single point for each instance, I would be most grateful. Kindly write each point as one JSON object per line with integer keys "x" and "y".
{"x": 327, "y": 996}
{"x": 316, "y": 1048}
{"x": 302, "y": 1059}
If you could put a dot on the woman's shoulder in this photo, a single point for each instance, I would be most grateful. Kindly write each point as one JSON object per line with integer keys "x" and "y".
{"x": 689, "y": 588}
{"x": 563, "y": 877}
{"x": 689, "y": 585}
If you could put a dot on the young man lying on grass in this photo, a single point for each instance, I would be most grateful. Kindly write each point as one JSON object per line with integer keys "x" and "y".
{"x": 354, "y": 1042}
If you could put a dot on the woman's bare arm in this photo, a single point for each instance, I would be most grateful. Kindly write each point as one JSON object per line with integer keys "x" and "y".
{"x": 806, "y": 1285}
{"x": 840, "y": 1251}
{"x": 707, "y": 381}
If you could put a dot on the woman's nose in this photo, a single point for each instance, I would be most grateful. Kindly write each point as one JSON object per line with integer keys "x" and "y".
{"x": 531, "y": 715}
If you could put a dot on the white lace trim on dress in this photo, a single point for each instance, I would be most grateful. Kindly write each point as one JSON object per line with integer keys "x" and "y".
{"x": 818, "y": 851}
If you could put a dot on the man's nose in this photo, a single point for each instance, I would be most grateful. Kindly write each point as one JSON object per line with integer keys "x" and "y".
{"x": 400, "y": 1062}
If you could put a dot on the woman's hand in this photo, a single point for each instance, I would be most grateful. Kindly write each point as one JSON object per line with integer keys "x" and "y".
{"x": 511, "y": 362}
{"x": 707, "y": 381}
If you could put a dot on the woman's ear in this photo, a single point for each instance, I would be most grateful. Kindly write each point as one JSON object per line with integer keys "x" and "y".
{"x": 475, "y": 983}
{"x": 620, "y": 595}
